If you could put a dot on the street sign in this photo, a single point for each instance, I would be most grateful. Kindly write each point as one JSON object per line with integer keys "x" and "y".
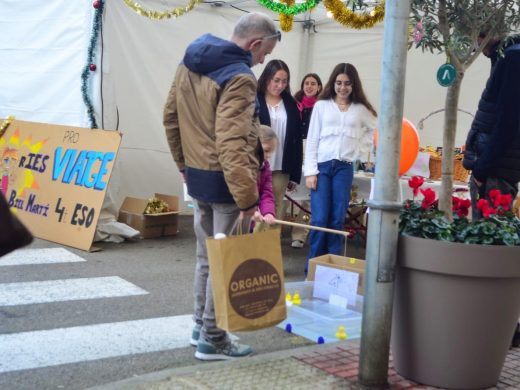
{"x": 446, "y": 75}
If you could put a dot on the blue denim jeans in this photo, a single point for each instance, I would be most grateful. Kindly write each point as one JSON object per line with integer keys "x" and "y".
{"x": 329, "y": 204}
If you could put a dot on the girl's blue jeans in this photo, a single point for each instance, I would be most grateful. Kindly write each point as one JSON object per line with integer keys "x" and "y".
{"x": 329, "y": 204}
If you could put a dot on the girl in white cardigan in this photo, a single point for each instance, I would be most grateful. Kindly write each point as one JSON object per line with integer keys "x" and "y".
{"x": 341, "y": 131}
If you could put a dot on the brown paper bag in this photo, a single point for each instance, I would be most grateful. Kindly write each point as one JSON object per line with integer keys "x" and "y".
{"x": 248, "y": 282}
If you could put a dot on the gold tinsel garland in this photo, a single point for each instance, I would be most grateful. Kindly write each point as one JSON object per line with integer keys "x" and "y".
{"x": 5, "y": 124}
{"x": 286, "y": 21}
{"x": 158, "y": 15}
{"x": 156, "y": 206}
{"x": 349, "y": 18}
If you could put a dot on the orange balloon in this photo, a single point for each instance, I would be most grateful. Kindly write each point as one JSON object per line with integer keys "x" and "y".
{"x": 409, "y": 146}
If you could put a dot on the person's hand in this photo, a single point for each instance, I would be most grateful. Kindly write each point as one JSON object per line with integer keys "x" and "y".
{"x": 291, "y": 186}
{"x": 478, "y": 183}
{"x": 311, "y": 182}
{"x": 183, "y": 175}
{"x": 248, "y": 213}
{"x": 269, "y": 219}
{"x": 257, "y": 217}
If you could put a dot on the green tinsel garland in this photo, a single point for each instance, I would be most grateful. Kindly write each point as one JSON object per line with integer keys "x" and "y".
{"x": 90, "y": 57}
{"x": 281, "y": 8}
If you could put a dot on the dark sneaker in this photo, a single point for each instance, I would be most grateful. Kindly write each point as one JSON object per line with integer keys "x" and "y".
{"x": 195, "y": 335}
{"x": 228, "y": 350}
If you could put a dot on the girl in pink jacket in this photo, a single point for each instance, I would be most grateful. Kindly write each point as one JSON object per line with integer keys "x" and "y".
{"x": 266, "y": 207}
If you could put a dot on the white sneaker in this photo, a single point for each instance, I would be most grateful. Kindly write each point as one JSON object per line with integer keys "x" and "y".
{"x": 297, "y": 244}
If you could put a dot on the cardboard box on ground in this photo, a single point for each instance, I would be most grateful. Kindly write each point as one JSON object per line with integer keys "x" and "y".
{"x": 150, "y": 225}
{"x": 350, "y": 264}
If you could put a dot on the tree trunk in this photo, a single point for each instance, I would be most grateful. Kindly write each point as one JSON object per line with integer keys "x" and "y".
{"x": 448, "y": 144}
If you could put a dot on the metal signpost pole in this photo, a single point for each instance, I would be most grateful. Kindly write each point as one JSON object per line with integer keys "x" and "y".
{"x": 384, "y": 208}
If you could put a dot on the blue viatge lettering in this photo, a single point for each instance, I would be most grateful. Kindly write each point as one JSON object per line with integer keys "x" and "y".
{"x": 92, "y": 156}
{"x": 61, "y": 162}
{"x": 99, "y": 184}
{"x": 68, "y": 166}
{"x": 77, "y": 169}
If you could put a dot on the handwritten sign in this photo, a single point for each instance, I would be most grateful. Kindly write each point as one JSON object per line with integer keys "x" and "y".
{"x": 55, "y": 178}
{"x": 332, "y": 281}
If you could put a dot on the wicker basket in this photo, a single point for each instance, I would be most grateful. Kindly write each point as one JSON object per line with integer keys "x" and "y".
{"x": 459, "y": 172}
{"x": 435, "y": 167}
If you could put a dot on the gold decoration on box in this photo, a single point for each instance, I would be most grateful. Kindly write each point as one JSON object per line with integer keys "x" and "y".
{"x": 156, "y": 206}
{"x": 286, "y": 21}
{"x": 158, "y": 15}
{"x": 344, "y": 15}
{"x": 5, "y": 124}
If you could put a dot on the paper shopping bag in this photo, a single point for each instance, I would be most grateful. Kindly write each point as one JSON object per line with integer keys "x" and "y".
{"x": 248, "y": 283}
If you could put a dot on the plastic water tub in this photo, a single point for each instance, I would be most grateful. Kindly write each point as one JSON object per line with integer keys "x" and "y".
{"x": 315, "y": 318}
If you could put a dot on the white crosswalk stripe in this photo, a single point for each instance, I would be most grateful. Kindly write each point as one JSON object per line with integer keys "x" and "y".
{"x": 25, "y": 293}
{"x": 22, "y": 351}
{"x": 39, "y": 256}
{"x": 47, "y": 348}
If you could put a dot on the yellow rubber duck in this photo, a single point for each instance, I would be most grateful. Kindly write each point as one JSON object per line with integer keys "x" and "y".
{"x": 288, "y": 297}
{"x": 341, "y": 334}
{"x": 296, "y": 299}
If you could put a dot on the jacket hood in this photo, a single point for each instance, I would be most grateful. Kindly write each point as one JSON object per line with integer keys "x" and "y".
{"x": 499, "y": 47}
{"x": 209, "y": 53}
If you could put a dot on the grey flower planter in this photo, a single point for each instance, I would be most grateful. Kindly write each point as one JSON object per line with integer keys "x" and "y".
{"x": 455, "y": 311}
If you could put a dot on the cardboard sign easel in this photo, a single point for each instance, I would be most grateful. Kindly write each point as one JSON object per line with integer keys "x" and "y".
{"x": 55, "y": 178}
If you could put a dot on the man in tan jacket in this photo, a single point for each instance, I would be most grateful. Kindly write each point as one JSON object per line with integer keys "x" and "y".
{"x": 212, "y": 130}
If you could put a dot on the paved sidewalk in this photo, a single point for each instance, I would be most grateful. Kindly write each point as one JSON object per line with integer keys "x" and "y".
{"x": 316, "y": 367}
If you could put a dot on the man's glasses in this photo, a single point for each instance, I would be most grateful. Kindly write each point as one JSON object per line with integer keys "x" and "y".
{"x": 278, "y": 36}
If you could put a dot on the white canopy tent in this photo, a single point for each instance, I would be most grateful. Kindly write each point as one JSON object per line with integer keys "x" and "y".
{"x": 43, "y": 50}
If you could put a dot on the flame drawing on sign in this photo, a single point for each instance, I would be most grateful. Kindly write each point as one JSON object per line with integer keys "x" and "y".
{"x": 10, "y": 150}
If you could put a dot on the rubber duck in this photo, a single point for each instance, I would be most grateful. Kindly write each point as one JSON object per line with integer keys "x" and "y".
{"x": 341, "y": 334}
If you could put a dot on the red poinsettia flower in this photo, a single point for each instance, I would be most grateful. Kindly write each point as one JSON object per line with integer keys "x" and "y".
{"x": 455, "y": 202}
{"x": 463, "y": 212}
{"x": 495, "y": 196}
{"x": 485, "y": 208}
{"x": 414, "y": 183}
{"x": 466, "y": 203}
{"x": 461, "y": 206}
{"x": 482, "y": 204}
{"x": 505, "y": 201}
{"x": 429, "y": 198}
{"x": 489, "y": 211}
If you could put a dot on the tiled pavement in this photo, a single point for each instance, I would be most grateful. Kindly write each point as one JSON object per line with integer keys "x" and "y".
{"x": 315, "y": 367}
{"x": 343, "y": 361}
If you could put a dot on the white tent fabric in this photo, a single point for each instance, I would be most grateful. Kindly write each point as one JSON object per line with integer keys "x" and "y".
{"x": 43, "y": 51}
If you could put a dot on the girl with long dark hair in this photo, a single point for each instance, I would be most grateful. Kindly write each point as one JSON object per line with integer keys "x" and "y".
{"x": 341, "y": 131}
{"x": 278, "y": 110}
